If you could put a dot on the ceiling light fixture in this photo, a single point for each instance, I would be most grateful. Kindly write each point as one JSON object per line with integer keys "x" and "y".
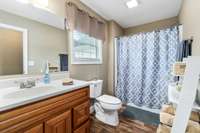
{"x": 132, "y": 3}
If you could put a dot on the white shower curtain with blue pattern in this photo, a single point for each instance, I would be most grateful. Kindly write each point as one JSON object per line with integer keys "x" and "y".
{"x": 144, "y": 64}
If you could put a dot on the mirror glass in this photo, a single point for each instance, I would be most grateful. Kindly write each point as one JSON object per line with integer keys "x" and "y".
{"x": 11, "y": 51}
{"x": 26, "y": 45}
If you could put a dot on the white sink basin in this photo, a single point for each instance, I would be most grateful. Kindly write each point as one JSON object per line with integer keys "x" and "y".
{"x": 14, "y": 96}
{"x": 28, "y": 92}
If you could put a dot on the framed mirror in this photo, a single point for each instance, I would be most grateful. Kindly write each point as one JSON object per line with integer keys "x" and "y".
{"x": 27, "y": 45}
{"x": 13, "y": 50}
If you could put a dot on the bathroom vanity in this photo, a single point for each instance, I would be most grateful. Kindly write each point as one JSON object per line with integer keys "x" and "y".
{"x": 64, "y": 109}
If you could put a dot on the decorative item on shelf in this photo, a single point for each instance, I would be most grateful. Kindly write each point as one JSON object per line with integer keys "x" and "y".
{"x": 174, "y": 88}
{"x": 178, "y": 69}
{"x": 173, "y": 93}
{"x": 178, "y": 87}
{"x": 53, "y": 68}
{"x": 68, "y": 82}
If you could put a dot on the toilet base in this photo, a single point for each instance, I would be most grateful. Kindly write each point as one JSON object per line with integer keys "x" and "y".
{"x": 108, "y": 117}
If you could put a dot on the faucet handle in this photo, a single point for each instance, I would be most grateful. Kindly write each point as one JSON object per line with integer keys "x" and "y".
{"x": 22, "y": 85}
{"x": 31, "y": 82}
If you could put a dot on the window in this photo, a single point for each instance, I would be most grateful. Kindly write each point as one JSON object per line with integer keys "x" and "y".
{"x": 86, "y": 49}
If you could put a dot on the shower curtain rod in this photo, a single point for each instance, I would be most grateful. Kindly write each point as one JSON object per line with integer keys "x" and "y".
{"x": 157, "y": 29}
{"x": 190, "y": 39}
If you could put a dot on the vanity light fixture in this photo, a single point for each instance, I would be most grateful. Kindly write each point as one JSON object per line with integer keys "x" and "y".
{"x": 132, "y": 3}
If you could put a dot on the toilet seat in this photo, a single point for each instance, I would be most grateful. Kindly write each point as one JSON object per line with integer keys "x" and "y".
{"x": 109, "y": 99}
{"x": 109, "y": 102}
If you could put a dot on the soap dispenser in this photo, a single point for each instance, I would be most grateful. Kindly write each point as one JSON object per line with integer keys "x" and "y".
{"x": 46, "y": 75}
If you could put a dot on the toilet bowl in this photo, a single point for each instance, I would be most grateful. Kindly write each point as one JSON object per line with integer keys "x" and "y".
{"x": 106, "y": 107}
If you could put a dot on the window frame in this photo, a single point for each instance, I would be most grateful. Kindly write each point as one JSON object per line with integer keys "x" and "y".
{"x": 85, "y": 61}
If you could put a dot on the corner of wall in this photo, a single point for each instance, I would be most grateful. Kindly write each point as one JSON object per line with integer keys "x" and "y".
{"x": 114, "y": 30}
{"x": 190, "y": 20}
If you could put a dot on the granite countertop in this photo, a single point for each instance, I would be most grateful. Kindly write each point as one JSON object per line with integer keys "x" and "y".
{"x": 14, "y": 97}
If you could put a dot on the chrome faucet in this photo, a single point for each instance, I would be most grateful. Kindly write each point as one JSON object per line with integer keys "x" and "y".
{"x": 27, "y": 84}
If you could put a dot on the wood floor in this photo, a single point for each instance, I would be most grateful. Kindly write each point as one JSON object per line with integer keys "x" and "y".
{"x": 126, "y": 126}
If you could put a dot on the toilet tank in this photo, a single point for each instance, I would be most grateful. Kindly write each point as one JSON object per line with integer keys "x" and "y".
{"x": 96, "y": 88}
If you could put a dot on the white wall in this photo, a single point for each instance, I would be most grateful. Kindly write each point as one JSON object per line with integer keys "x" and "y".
{"x": 189, "y": 17}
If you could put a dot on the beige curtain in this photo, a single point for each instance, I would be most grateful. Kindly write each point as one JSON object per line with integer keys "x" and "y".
{"x": 81, "y": 21}
{"x": 71, "y": 10}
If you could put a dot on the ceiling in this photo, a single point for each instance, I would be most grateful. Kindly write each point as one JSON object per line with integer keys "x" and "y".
{"x": 33, "y": 13}
{"x": 147, "y": 11}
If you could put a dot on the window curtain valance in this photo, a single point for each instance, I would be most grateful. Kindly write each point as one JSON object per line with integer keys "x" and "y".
{"x": 81, "y": 21}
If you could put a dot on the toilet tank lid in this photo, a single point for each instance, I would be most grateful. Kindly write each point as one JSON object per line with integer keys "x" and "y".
{"x": 95, "y": 81}
{"x": 109, "y": 99}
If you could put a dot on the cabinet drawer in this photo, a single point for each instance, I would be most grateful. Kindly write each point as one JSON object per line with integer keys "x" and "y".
{"x": 85, "y": 128}
{"x": 81, "y": 114}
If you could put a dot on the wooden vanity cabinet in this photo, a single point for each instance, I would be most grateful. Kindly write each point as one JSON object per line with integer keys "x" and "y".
{"x": 80, "y": 114}
{"x": 59, "y": 124}
{"x": 85, "y": 128}
{"x": 67, "y": 113}
{"x": 37, "y": 129}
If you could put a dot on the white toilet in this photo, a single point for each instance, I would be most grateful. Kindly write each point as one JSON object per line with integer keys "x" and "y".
{"x": 106, "y": 107}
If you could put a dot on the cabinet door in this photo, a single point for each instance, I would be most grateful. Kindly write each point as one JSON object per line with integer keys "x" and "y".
{"x": 36, "y": 129}
{"x": 81, "y": 114}
{"x": 85, "y": 128}
{"x": 59, "y": 124}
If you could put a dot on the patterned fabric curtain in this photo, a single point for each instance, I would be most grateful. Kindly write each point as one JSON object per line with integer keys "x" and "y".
{"x": 144, "y": 65}
{"x": 81, "y": 21}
